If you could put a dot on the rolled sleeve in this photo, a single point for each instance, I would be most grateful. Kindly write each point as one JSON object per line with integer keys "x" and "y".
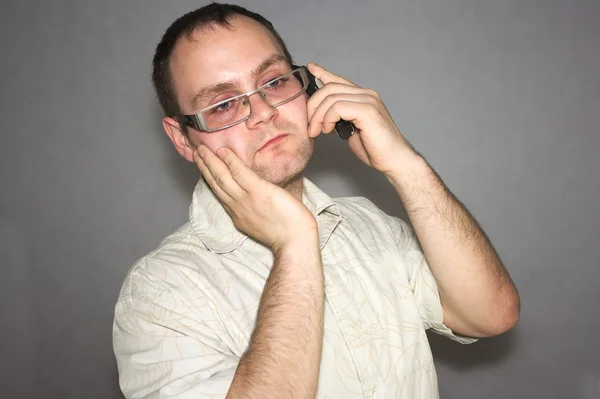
{"x": 423, "y": 285}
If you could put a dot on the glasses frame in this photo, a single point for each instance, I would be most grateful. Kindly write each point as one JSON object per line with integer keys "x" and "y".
{"x": 197, "y": 122}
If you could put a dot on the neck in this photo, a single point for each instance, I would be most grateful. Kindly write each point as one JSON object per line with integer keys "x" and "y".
{"x": 294, "y": 186}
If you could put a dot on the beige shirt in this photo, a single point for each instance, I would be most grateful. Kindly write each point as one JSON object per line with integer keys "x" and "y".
{"x": 186, "y": 311}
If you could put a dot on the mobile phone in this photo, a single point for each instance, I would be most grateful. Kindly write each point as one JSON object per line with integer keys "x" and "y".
{"x": 344, "y": 129}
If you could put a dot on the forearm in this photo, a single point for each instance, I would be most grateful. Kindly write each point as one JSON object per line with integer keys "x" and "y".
{"x": 284, "y": 354}
{"x": 477, "y": 294}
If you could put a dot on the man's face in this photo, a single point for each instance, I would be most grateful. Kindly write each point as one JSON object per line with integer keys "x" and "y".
{"x": 245, "y": 57}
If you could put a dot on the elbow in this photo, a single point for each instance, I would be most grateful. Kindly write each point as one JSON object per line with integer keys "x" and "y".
{"x": 497, "y": 317}
{"x": 507, "y": 322}
{"x": 505, "y": 317}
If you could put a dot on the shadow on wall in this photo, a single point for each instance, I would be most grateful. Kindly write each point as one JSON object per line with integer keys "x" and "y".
{"x": 486, "y": 351}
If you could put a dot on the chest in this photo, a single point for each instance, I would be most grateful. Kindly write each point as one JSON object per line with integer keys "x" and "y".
{"x": 373, "y": 337}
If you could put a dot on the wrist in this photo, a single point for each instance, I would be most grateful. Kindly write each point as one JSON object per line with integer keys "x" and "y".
{"x": 300, "y": 261}
{"x": 409, "y": 163}
{"x": 410, "y": 168}
{"x": 301, "y": 241}
{"x": 412, "y": 176}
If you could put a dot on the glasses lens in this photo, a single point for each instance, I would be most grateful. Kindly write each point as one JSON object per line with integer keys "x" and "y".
{"x": 275, "y": 93}
{"x": 284, "y": 88}
{"x": 226, "y": 112}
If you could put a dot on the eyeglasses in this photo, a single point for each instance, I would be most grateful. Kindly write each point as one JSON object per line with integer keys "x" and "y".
{"x": 236, "y": 109}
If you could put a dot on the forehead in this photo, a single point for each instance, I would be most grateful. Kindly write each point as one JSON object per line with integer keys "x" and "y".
{"x": 220, "y": 54}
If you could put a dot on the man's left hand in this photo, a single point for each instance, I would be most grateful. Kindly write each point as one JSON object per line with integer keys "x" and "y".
{"x": 378, "y": 142}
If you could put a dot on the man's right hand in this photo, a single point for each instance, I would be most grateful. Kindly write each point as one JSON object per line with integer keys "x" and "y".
{"x": 260, "y": 209}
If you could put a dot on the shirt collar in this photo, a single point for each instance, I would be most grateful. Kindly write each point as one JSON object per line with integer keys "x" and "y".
{"x": 217, "y": 232}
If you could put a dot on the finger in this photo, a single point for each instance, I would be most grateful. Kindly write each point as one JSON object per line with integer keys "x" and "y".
{"x": 325, "y": 76}
{"x": 227, "y": 209}
{"x": 223, "y": 175}
{"x": 210, "y": 180}
{"x": 315, "y": 132}
{"x": 243, "y": 176}
{"x": 362, "y": 102}
{"x": 332, "y": 88}
{"x": 347, "y": 110}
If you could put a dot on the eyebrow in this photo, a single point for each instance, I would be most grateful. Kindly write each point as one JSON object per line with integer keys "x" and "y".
{"x": 208, "y": 91}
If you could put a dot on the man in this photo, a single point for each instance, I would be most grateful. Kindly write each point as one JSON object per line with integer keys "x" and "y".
{"x": 273, "y": 289}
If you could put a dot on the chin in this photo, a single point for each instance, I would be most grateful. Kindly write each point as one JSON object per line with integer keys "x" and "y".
{"x": 282, "y": 173}
{"x": 287, "y": 167}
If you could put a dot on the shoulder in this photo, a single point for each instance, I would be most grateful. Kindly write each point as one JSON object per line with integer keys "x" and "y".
{"x": 362, "y": 211}
{"x": 359, "y": 207}
{"x": 178, "y": 259}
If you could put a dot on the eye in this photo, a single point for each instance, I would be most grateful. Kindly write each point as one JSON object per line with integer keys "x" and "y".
{"x": 224, "y": 106}
{"x": 278, "y": 83}
{"x": 274, "y": 83}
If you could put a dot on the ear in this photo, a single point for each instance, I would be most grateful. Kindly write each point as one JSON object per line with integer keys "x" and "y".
{"x": 179, "y": 139}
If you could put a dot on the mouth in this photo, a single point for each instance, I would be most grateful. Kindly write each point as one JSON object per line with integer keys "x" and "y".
{"x": 273, "y": 141}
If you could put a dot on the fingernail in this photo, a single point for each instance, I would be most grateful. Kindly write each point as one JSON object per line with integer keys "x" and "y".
{"x": 201, "y": 152}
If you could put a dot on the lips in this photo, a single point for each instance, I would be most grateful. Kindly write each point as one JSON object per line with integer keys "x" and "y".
{"x": 273, "y": 141}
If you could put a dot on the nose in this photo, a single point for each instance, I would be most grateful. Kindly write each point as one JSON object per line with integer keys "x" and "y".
{"x": 260, "y": 110}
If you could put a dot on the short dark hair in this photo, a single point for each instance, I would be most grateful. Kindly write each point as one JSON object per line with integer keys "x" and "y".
{"x": 214, "y": 14}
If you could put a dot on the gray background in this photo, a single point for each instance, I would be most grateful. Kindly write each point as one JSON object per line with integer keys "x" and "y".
{"x": 502, "y": 98}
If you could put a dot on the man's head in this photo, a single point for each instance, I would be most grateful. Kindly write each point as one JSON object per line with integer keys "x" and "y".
{"x": 225, "y": 50}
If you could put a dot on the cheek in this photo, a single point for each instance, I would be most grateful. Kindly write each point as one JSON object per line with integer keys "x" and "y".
{"x": 302, "y": 111}
{"x": 211, "y": 140}
{"x": 296, "y": 112}
{"x": 229, "y": 140}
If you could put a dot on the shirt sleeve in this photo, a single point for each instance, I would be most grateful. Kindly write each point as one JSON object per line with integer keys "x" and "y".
{"x": 166, "y": 347}
{"x": 423, "y": 284}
